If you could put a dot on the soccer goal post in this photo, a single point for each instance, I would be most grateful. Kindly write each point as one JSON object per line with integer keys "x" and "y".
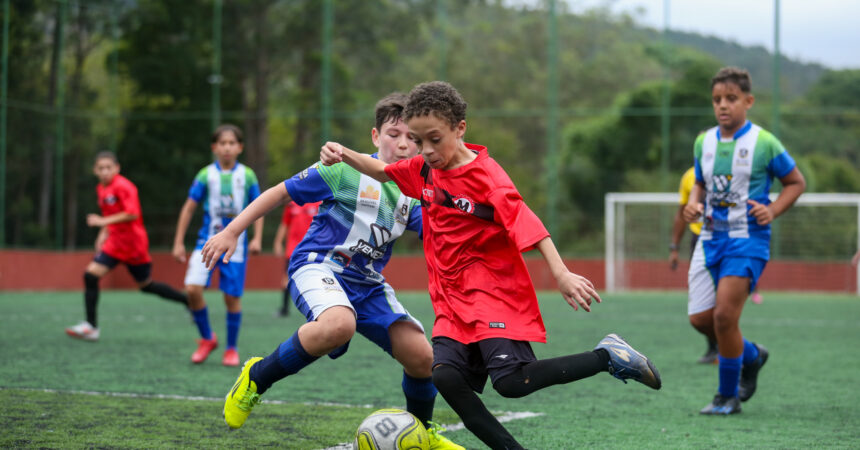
{"x": 811, "y": 244}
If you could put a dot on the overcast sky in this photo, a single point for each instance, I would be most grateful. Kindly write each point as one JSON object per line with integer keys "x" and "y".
{"x": 822, "y": 31}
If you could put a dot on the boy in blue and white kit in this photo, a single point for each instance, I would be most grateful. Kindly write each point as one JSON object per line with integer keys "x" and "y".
{"x": 735, "y": 163}
{"x": 335, "y": 274}
{"x": 224, "y": 187}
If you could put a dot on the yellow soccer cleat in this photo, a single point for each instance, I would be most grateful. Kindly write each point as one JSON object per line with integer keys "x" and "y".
{"x": 242, "y": 397}
{"x": 439, "y": 442}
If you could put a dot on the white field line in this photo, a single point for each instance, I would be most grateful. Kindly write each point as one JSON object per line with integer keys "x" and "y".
{"x": 503, "y": 417}
{"x": 176, "y": 397}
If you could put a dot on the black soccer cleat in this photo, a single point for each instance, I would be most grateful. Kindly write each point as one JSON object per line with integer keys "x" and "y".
{"x": 711, "y": 355}
{"x": 722, "y": 406}
{"x": 627, "y": 363}
{"x": 749, "y": 374}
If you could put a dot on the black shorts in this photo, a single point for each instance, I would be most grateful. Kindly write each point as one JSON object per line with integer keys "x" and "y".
{"x": 496, "y": 357}
{"x": 140, "y": 272}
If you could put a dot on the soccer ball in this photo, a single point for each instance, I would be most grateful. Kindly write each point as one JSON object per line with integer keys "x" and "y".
{"x": 391, "y": 429}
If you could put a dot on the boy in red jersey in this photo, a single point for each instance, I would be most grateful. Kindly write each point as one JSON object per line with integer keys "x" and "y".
{"x": 475, "y": 227}
{"x": 122, "y": 239}
{"x": 294, "y": 224}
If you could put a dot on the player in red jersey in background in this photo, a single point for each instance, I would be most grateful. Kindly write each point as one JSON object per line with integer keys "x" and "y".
{"x": 475, "y": 227}
{"x": 294, "y": 224}
{"x": 122, "y": 239}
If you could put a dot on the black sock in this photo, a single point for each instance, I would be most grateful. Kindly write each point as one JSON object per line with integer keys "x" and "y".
{"x": 712, "y": 345}
{"x": 537, "y": 375}
{"x": 166, "y": 292}
{"x": 420, "y": 397}
{"x": 471, "y": 410}
{"x": 91, "y": 297}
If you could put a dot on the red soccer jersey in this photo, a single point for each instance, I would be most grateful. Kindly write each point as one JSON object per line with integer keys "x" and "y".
{"x": 298, "y": 219}
{"x": 127, "y": 241}
{"x": 476, "y": 227}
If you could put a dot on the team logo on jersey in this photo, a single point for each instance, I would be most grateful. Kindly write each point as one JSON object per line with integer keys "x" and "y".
{"x": 340, "y": 259}
{"x": 401, "y": 216}
{"x": 428, "y": 194}
{"x": 464, "y": 204}
{"x": 226, "y": 208}
{"x": 722, "y": 182}
{"x": 369, "y": 196}
{"x": 110, "y": 200}
{"x": 721, "y": 194}
{"x": 369, "y": 193}
{"x": 381, "y": 236}
{"x": 742, "y": 157}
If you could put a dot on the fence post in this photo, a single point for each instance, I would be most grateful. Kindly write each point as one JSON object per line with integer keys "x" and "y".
{"x": 552, "y": 141}
{"x": 776, "y": 90}
{"x": 216, "y": 77}
{"x": 3, "y": 97}
{"x": 326, "y": 98}
{"x": 61, "y": 127}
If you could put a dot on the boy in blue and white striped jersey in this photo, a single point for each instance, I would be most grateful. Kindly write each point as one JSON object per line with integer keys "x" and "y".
{"x": 735, "y": 162}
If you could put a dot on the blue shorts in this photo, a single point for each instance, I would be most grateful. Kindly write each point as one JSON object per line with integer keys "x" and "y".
{"x": 316, "y": 288}
{"x": 231, "y": 280}
{"x": 706, "y": 272}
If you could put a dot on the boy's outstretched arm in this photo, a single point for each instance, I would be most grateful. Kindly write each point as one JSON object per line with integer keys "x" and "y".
{"x": 225, "y": 241}
{"x": 577, "y": 290}
{"x": 333, "y": 153}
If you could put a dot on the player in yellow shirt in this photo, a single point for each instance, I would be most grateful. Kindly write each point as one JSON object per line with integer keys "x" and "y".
{"x": 678, "y": 227}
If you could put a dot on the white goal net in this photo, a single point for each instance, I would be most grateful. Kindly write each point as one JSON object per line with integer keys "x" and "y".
{"x": 811, "y": 244}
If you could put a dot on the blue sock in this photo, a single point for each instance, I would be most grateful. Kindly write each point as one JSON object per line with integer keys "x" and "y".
{"x": 234, "y": 320}
{"x": 201, "y": 318}
{"x": 420, "y": 396}
{"x": 730, "y": 376}
{"x": 750, "y": 352}
{"x": 289, "y": 358}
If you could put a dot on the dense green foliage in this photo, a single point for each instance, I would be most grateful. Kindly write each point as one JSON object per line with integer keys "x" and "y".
{"x": 806, "y": 395}
{"x": 136, "y": 75}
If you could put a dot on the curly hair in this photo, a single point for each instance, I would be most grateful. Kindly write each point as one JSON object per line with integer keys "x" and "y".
{"x": 438, "y": 98}
{"x": 736, "y": 75}
{"x": 390, "y": 108}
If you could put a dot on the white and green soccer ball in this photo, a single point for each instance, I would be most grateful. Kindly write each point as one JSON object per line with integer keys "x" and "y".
{"x": 391, "y": 429}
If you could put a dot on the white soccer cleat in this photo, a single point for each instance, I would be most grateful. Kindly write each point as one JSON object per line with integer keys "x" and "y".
{"x": 83, "y": 331}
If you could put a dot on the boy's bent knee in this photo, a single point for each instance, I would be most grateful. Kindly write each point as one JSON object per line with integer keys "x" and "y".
{"x": 512, "y": 386}
{"x": 448, "y": 379}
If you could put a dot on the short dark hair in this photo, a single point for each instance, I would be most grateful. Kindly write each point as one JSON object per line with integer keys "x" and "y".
{"x": 390, "y": 108}
{"x": 736, "y": 75}
{"x": 224, "y": 128}
{"x": 438, "y": 98}
{"x": 107, "y": 154}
